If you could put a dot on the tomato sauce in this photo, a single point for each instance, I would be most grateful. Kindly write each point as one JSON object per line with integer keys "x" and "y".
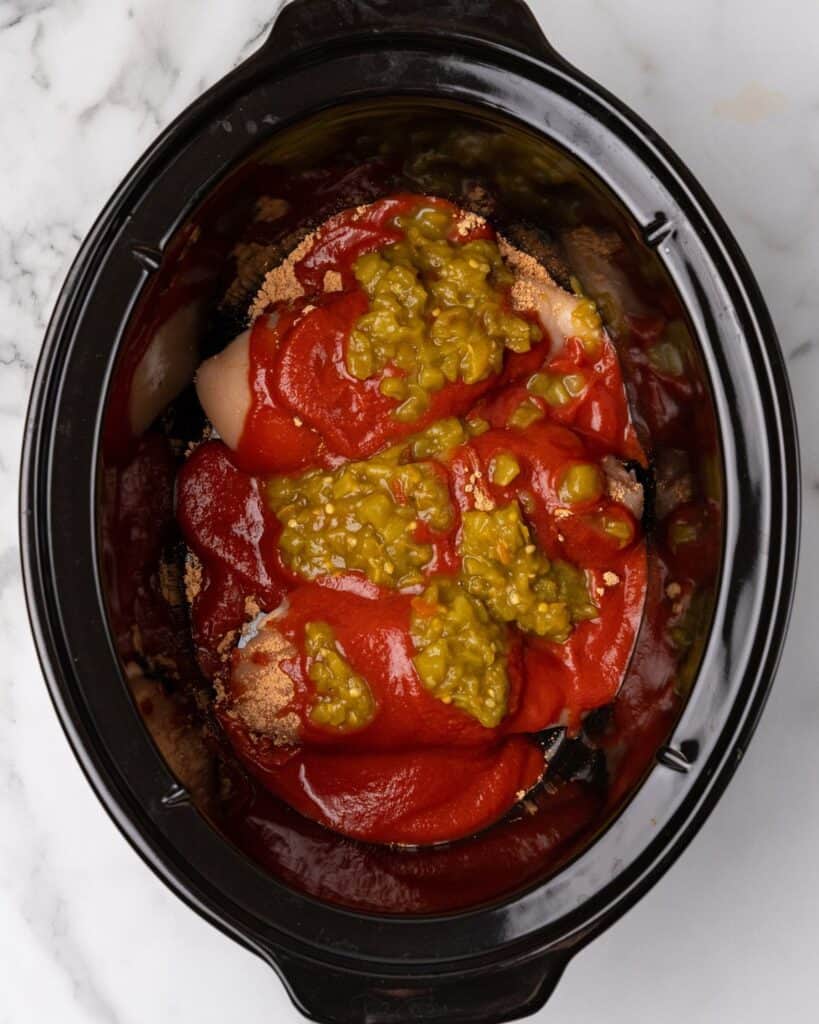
{"x": 306, "y": 406}
{"x": 423, "y": 771}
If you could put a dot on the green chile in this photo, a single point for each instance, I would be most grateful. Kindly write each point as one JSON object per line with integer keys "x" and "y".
{"x": 344, "y": 700}
{"x": 361, "y": 516}
{"x": 436, "y": 313}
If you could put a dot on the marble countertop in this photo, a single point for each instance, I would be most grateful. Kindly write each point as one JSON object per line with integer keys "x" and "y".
{"x": 87, "y": 933}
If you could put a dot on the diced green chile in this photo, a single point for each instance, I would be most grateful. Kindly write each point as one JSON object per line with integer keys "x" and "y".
{"x": 588, "y": 326}
{"x": 516, "y": 582}
{"x": 436, "y": 313}
{"x": 361, "y": 516}
{"x": 582, "y": 482}
{"x": 503, "y": 469}
{"x": 527, "y": 413}
{"x": 556, "y": 389}
{"x": 344, "y": 700}
{"x": 461, "y": 651}
{"x": 439, "y": 439}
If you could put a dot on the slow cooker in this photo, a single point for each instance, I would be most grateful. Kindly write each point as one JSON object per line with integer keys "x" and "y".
{"x": 346, "y": 100}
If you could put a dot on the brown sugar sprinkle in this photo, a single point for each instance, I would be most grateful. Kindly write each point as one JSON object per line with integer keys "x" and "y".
{"x": 543, "y": 250}
{"x": 261, "y": 689}
{"x": 483, "y": 502}
{"x": 280, "y": 283}
{"x": 530, "y": 275}
{"x": 284, "y": 731}
{"x": 252, "y": 608}
{"x": 193, "y": 577}
{"x": 562, "y": 513}
{"x": 226, "y": 643}
{"x": 252, "y": 261}
{"x": 467, "y": 223}
{"x": 673, "y": 590}
{"x": 611, "y": 579}
{"x": 269, "y": 208}
{"x": 332, "y": 281}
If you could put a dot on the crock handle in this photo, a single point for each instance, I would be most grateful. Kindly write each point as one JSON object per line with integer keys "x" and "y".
{"x": 332, "y": 996}
{"x": 303, "y": 24}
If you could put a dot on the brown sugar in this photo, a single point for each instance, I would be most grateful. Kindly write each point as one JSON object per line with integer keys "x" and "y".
{"x": 262, "y": 689}
{"x": 467, "y": 223}
{"x": 225, "y": 644}
{"x": 332, "y": 281}
{"x": 543, "y": 249}
{"x": 280, "y": 283}
{"x": 530, "y": 276}
{"x": 252, "y": 261}
{"x": 193, "y": 577}
{"x": 483, "y": 502}
{"x": 284, "y": 731}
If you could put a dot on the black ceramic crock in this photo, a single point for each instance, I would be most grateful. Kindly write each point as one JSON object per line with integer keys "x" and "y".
{"x": 490, "y": 962}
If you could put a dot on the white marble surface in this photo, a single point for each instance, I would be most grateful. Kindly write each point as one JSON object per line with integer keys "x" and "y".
{"x": 87, "y": 934}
